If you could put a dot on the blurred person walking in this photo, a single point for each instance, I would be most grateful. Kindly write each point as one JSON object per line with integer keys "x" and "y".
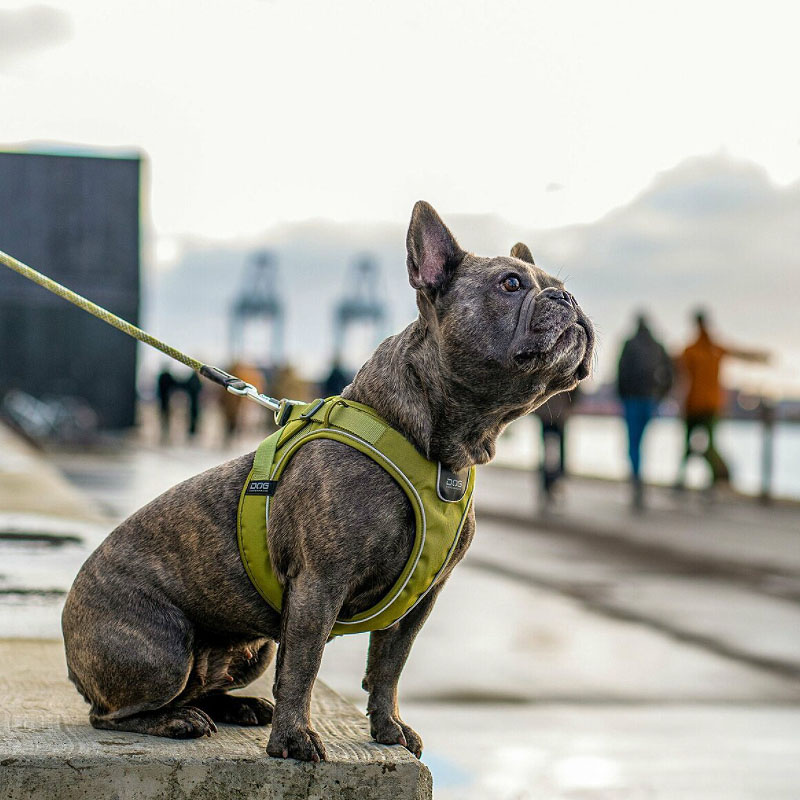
{"x": 336, "y": 380}
{"x": 644, "y": 376}
{"x": 705, "y": 398}
{"x": 553, "y": 416}
{"x": 165, "y": 386}
{"x": 232, "y": 406}
{"x": 193, "y": 388}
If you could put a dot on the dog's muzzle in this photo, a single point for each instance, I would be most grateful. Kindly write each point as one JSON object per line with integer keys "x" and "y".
{"x": 560, "y": 296}
{"x": 545, "y": 319}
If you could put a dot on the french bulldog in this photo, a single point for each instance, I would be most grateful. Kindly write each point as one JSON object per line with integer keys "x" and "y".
{"x": 162, "y": 619}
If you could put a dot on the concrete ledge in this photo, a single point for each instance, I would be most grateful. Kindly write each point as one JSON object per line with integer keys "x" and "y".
{"x": 48, "y": 749}
{"x": 30, "y": 484}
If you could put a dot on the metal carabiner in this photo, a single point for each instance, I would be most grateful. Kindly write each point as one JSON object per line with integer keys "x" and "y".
{"x": 284, "y": 410}
{"x": 250, "y": 391}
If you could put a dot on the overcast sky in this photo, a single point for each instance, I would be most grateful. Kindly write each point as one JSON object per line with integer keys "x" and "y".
{"x": 544, "y": 114}
{"x": 713, "y": 231}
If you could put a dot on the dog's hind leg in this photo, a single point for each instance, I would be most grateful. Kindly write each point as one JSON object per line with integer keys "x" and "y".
{"x": 231, "y": 667}
{"x": 174, "y": 723}
{"x": 131, "y": 658}
{"x": 236, "y": 710}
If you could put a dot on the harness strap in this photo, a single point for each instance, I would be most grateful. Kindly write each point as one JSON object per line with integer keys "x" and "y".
{"x": 265, "y": 455}
{"x": 438, "y": 520}
{"x": 346, "y": 414}
{"x": 335, "y": 411}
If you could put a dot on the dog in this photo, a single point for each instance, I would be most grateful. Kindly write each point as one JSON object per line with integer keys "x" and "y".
{"x": 162, "y": 619}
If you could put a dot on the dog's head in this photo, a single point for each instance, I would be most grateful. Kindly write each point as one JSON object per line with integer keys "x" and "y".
{"x": 505, "y": 328}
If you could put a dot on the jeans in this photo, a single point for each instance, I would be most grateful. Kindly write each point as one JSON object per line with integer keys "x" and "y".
{"x": 638, "y": 412}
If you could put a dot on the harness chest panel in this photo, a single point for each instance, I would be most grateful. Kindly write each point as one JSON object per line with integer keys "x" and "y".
{"x": 440, "y": 500}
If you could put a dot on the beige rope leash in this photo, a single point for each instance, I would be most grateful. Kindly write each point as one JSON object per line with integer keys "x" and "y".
{"x": 230, "y": 382}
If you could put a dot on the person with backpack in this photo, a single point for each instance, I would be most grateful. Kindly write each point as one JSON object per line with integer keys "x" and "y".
{"x": 644, "y": 377}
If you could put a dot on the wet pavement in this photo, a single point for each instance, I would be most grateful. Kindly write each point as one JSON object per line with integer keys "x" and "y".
{"x": 586, "y": 653}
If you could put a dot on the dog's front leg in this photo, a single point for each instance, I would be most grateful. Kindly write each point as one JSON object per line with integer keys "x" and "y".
{"x": 388, "y": 651}
{"x": 309, "y": 612}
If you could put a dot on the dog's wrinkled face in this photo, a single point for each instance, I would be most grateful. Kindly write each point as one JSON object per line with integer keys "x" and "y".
{"x": 505, "y": 327}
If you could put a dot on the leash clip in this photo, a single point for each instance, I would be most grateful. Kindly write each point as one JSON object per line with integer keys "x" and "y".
{"x": 284, "y": 410}
{"x": 249, "y": 391}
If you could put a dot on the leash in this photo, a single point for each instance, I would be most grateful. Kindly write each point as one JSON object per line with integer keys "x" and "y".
{"x": 234, "y": 385}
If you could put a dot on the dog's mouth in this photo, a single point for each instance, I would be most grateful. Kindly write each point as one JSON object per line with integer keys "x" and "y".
{"x": 571, "y": 347}
{"x": 553, "y": 334}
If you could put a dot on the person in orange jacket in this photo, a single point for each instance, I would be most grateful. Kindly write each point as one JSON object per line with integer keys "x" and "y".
{"x": 705, "y": 398}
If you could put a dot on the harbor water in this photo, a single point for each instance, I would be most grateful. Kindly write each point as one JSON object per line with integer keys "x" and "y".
{"x": 596, "y": 446}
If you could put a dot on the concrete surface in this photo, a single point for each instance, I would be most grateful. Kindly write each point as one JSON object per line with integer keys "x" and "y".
{"x": 48, "y": 750}
{"x": 492, "y": 639}
{"x": 730, "y": 531}
{"x": 31, "y": 487}
{"x": 584, "y": 654}
{"x": 47, "y": 529}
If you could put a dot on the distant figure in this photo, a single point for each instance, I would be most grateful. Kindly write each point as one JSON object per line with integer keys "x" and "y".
{"x": 193, "y": 387}
{"x": 644, "y": 377}
{"x": 336, "y": 381}
{"x": 165, "y": 385}
{"x": 286, "y": 381}
{"x": 705, "y": 398}
{"x": 232, "y": 405}
{"x": 553, "y": 415}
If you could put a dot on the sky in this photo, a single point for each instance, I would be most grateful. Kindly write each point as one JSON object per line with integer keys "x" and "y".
{"x": 712, "y": 231}
{"x": 544, "y": 114}
{"x": 539, "y": 116}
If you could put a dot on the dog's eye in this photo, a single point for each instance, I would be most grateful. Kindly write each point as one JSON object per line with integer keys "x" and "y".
{"x": 511, "y": 284}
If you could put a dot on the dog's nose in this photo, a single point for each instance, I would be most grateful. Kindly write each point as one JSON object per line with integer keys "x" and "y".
{"x": 560, "y": 296}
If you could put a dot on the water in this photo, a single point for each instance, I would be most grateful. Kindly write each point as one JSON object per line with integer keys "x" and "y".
{"x": 597, "y": 447}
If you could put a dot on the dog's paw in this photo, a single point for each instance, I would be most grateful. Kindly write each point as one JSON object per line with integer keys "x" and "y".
{"x": 184, "y": 723}
{"x": 301, "y": 743}
{"x": 237, "y": 710}
{"x": 392, "y": 730}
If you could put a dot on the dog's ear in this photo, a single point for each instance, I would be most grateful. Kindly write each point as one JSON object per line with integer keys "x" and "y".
{"x": 432, "y": 251}
{"x": 522, "y": 252}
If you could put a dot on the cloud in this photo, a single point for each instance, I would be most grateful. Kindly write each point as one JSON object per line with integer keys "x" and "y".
{"x": 25, "y": 30}
{"x": 707, "y": 187}
{"x": 712, "y": 231}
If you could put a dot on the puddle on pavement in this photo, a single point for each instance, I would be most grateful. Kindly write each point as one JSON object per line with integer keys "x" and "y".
{"x": 47, "y": 538}
{"x": 24, "y": 592}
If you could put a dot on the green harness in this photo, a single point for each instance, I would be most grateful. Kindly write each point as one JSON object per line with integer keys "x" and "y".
{"x": 440, "y": 500}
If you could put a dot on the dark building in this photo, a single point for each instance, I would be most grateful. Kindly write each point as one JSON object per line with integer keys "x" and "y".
{"x": 76, "y": 219}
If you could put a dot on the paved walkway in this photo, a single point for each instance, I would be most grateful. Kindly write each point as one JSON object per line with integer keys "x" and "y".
{"x": 586, "y": 652}
{"x": 31, "y": 485}
{"x": 729, "y": 531}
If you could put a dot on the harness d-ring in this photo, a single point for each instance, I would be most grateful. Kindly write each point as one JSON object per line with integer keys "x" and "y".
{"x": 326, "y": 418}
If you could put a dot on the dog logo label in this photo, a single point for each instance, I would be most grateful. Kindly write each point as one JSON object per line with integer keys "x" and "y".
{"x": 450, "y": 486}
{"x": 262, "y": 487}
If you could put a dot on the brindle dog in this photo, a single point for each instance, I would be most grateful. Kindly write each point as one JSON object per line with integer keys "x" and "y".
{"x": 162, "y": 619}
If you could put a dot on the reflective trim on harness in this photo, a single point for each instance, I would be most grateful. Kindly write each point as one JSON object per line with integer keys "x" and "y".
{"x": 438, "y": 521}
{"x": 386, "y": 602}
